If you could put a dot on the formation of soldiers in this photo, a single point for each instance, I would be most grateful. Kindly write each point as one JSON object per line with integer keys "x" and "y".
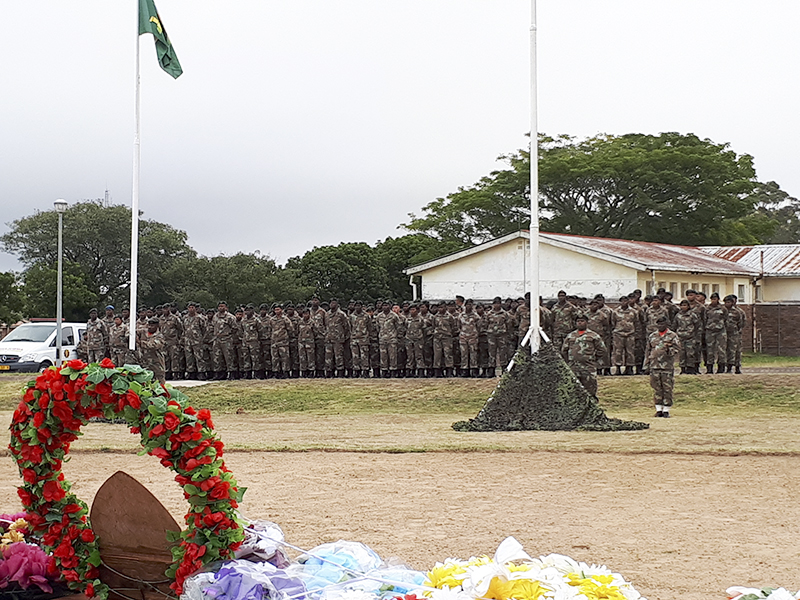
{"x": 647, "y": 336}
{"x": 385, "y": 339}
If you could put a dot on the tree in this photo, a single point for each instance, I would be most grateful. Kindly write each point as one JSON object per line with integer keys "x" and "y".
{"x": 11, "y": 299}
{"x": 397, "y": 254}
{"x": 776, "y": 219}
{"x": 347, "y": 271}
{"x": 670, "y": 188}
{"x": 98, "y": 239}
{"x": 40, "y": 288}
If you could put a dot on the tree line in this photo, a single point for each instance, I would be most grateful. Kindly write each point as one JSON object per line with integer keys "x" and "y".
{"x": 671, "y": 188}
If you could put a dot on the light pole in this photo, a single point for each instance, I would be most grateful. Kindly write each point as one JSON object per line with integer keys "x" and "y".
{"x": 61, "y": 206}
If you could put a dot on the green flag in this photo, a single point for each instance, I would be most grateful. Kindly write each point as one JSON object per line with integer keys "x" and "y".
{"x": 150, "y": 22}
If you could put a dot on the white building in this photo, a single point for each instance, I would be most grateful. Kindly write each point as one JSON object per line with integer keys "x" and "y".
{"x": 777, "y": 265}
{"x": 582, "y": 266}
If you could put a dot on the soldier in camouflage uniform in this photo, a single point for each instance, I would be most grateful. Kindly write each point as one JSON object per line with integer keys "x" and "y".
{"x": 545, "y": 319}
{"x": 497, "y": 327}
{"x": 108, "y": 319}
{"x": 208, "y": 343}
{"x": 306, "y": 334}
{"x": 401, "y": 341}
{"x": 360, "y": 334}
{"x": 686, "y": 325}
{"x": 251, "y": 344}
{"x": 427, "y": 340}
{"x": 733, "y": 329}
{"x": 335, "y": 338}
{"x": 152, "y": 348}
{"x": 265, "y": 340}
{"x": 224, "y": 326}
{"x": 118, "y": 338}
{"x": 415, "y": 340}
{"x": 281, "y": 333}
{"x": 444, "y": 328}
{"x": 716, "y": 336}
{"x": 583, "y": 349}
{"x": 374, "y": 343}
{"x": 564, "y": 315}
{"x": 194, "y": 334}
{"x": 294, "y": 352}
{"x": 171, "y": 328}
{"x": 623, "y": 330}
{"x": 96, "y": 336}
{"x": 598, "y": 319}
{"x": 663, "y": 346}
{"x": 699, "y": 309}
{"x": 468, "y": 335}
{"x": 320, "y": 317}
{"x": 388, "y": 330}
{"x": 483, "y": 342}
{"x": 237, "y": 343}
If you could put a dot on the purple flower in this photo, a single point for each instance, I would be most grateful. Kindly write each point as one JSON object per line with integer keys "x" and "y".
{"x": 26, "y": 565}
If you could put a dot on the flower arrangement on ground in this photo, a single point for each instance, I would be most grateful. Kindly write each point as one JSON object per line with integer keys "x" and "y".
{"x": 49, "y": 418}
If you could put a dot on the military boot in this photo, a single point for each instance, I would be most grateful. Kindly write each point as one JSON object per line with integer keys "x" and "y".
{"x": 738, "y": 370}
{"x": 730, "y": 369}
{"x": 474, "y": 373}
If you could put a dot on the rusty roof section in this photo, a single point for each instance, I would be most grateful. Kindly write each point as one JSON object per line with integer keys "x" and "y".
{"x": 775, "y": 260}
{"x": 653, "y": 256}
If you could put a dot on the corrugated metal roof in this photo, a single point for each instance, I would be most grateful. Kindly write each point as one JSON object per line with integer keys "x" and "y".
{"x": 776, "y": 260}
{"x": 654, "y": 256}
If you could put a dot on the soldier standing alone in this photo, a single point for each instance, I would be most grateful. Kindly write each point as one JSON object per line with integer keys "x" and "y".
{"x": 583, "y": 349}
{"x": 663, "y": 346}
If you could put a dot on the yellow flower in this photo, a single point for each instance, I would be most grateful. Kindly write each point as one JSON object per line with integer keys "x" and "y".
{"x": 595, "y": 587}
{"x": 516, "y": 568}
{"x": 10, "y": 537}
{"x": 18, "y": 524}
{"x": 446, "y": 574}
{"x": 527, "y": 589}
{"x": 499, "y": 589}
{"x": 479, "y": 561}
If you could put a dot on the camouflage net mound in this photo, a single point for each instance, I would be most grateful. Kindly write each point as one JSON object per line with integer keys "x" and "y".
{"x": 541, "y": 393}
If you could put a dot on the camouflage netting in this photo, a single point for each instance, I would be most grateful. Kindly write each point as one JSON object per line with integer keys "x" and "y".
{"x": 541, "y": 392}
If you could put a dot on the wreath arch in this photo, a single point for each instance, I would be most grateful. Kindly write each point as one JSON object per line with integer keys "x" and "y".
{"x": 49, "y": 418}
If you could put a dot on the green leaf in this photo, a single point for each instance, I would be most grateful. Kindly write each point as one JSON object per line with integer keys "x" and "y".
{"x": 173, "y": 536}
{"x": 94, "y": 558}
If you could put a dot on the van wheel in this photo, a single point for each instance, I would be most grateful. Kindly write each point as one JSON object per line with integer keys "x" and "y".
{"x": 44, "y": 365}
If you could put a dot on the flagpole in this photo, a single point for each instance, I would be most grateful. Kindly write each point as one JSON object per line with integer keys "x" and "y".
{"x": 534, "y": 333}
{"x": 135, "y": 202}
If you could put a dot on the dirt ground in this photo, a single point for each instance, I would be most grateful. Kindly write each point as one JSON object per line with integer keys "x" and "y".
{"x": 677, "y": 526}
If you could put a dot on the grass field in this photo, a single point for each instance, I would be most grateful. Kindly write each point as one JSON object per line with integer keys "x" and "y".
{"x": 757, "y": 413}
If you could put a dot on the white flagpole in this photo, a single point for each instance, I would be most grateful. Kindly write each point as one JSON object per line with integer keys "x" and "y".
{"x": 534, "y": 333}
{"x": 135, "y": 203}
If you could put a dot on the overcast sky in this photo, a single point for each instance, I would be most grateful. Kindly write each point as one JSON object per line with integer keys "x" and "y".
{"x": 300, "y": 123}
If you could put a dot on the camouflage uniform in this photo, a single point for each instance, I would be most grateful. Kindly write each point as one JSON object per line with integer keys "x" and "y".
{"x": 582, "y": 350}
{"x": 564, "y": 316}
{"x": 639, "y": 336}
{"x": 374, "y": 346}
{"x": 427, "y": 340}
{"x": 623, "y": 322}
{"x": 401, "y": 342}
{"x": 320, "y": 318}
{"x": 224, "y": 326}
{"x": 335, "y": 338}
{"x": 415, "y": 340}
{"x": 360, "y": 335}
{"x": 281, "y": 333}
{"x": 208, "y": 343}
{"x": 599, "y": 321}
{"x": 546, "y": 321}
{"x": 686, "y": 326}
{"x": 733, "y": 328}
{"x": 118, "y": 338}
{"x": 294, "y": 351}
{"x": 265, "y": 341}
{"x": 237, "y": 344}
{"x": 468, "y": 325}
{"x": 661, "y": 352}
{"x": 716, "y": 337}
{"x": 388, "y": 329}
{"x": 483, "y": 343}
{"x": 497, "y": 326}
{"x": 306, "y": 349}
{"x": 194, "y": 335}
{"x": 96, "y": 337}
{"x": 251, "y": 344}
{"x": 443, "y": 329}
{"x": 652, "y": 315}
{"x": 170, "y": 326}
{"x": 522, "y": 323}
{"x": 152, "y": 348}
{"x": 700, "y": 336}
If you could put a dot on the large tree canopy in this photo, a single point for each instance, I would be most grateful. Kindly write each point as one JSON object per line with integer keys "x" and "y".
{"x": 671, "y": 188}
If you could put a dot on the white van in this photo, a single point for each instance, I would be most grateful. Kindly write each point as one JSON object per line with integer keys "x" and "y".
{"x": 31, "y": 347}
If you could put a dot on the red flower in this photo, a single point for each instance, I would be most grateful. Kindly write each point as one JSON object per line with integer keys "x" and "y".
{"x": 38, "y": 419}
{"x": 52, "y": 491}
{"x": 44, "y": 401}
{"x": 171, "y": 421}
{"x": 87, "y": 535}
{"x": 133, "y": 399}
{"x": 29, "y": 475}
{"x": 220, "y": 491}
{"x": 205, "y": 415}
{"x": 90, "y": 590}
{"x": 71, "y": 508}
{"x": 62, "y": 411}
{"x": 107, "y": 363}
{"x": 76, "y": 365}
{"x": 31, "y": 453}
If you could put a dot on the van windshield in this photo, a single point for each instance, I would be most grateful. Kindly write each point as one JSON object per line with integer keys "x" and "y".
{"x": 31, "y": 332}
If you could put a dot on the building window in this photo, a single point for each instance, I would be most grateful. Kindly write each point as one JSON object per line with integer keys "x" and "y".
{"x": 684, "y": 287}
{"x": 673, "y": 289}
{"x": 696, "y": 287}
{"x": 649, "y": 288}
{"x": 758, "y": 297}
{"x": 715, "y": 288}
{"x": 705, "y": 289}
{"x": 741, "y": 293}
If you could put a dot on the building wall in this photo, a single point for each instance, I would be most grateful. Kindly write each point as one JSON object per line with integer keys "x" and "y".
{"x": 780, "y": 289}
{"x": 505, "y": 271}
{"x": 776, "y": 325}
{"x": 678, "y": 283}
